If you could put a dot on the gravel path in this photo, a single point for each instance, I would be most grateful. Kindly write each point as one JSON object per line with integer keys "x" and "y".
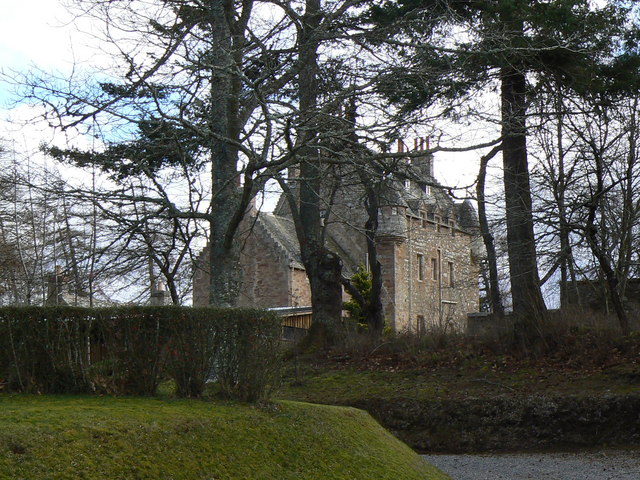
{"x": 599, "y": 465}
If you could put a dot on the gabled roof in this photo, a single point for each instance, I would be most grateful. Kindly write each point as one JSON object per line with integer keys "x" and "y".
{"x": 283, "y": 232}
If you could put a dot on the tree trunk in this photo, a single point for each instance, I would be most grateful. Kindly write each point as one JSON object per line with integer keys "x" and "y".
{"x": 224, "y": 255}
{"x": 494, "y": 284}
{"x": 323, "y": 267}
{"x": 226, "y": 273}
{"x": 598, "y": 250}
{"x": 324, "y": 270}
{"x": 375, "y": 310}
{"x": 523, "y": 269}
{"x": 612, "y": 285}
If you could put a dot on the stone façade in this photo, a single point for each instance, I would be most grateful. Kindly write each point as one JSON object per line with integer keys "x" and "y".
{"x": 427, "y": 245}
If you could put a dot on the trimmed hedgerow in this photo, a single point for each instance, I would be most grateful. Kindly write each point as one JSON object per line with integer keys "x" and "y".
{"x": 129, "y": 350}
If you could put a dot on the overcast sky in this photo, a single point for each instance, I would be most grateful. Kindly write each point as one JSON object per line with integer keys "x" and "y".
{"x": 40, "y": 33}
{"x": 34, "y": 32}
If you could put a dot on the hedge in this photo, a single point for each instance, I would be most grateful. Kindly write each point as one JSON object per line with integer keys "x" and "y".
{"x": 129, "y": 350}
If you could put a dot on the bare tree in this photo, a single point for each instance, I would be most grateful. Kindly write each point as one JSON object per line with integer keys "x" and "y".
{"x": 191, "y": 89}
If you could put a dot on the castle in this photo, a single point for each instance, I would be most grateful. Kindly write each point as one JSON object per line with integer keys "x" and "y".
{"x": 427, "y": 245}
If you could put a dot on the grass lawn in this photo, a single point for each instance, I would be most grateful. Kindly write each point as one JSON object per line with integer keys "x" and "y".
{"x": 459, "y": 374}
{"x": 72, "y": 437}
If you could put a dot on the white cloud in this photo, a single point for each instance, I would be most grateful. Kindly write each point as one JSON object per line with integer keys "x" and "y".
{"x": 23, "y": 131}
{"x": 35, "y": 32}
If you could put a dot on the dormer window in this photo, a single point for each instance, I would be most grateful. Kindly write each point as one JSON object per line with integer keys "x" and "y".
{"x": 423, "y": 219}
{"x": 407, "y": 184}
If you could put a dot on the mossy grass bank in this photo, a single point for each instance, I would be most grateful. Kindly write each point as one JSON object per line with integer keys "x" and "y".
{"x": 76, "y": 437}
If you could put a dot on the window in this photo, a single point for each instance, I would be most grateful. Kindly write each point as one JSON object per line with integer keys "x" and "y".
{"x": 420, "y": 267}
{"x": 423, "y": 219}
{"x": 452, "y": 226}
{"x": 437, "y": 219}
{"x": 434, "y": 269}
{"x": 407, "y": 184}
{"x": 394, "y": 210}
{"x": 452, "y": 278}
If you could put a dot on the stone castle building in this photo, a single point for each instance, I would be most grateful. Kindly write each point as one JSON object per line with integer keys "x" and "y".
{"x": 427, "y": 244}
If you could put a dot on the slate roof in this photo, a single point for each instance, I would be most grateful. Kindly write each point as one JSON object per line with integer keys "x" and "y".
{"x": 282, "y": 231}
{"x": 434, "y": 199}
{"x": 467, "y": 215}
{"x": 421, "y": 192}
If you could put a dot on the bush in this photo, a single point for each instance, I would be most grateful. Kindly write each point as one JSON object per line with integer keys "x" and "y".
{"x": 129, "y": 350}
{"x": 133, "y": 340}
{"x": 249, "y": 362}
{"x": 44, "y": 349}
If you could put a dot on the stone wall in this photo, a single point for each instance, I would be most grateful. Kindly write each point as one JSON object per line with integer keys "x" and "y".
{"x": 430, "y": 279}
{"x": 269, "y": 280}
{"x": 436, "y": 278}
{"x": 509, "y": 423}
{"x": 300, "y": 289}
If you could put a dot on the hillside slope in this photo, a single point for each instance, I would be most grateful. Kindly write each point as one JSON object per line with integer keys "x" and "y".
{"x": 62, "y": 437}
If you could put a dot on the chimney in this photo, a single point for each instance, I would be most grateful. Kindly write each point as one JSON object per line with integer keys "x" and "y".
{"x": 55, "y": 287}
{"x": 158, "y": 295}
{"x": 423, "y": 164}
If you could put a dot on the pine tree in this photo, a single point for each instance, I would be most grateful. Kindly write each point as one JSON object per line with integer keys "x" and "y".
{"x": 525, "y": 46}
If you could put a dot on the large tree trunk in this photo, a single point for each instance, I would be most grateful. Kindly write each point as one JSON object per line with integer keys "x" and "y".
{"x": 372, "y": 307}
{"x": 375, "y": 310}
{"x": 224, "y": 253}
{"x": 523, "y": 269}
{"x": 324, "y": 268}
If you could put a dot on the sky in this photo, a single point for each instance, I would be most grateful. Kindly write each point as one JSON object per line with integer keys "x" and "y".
{"x": 35, "y": 32}
{"x": 42, "y": 34}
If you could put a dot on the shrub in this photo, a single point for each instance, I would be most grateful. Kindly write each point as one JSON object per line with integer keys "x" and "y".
{"x": 134, "y": 339}
{"x": 44, "y": 349}
{"x": 249, "y": 361}
{"x": 129, "y": 350}
{"x": 193, "y": 350}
